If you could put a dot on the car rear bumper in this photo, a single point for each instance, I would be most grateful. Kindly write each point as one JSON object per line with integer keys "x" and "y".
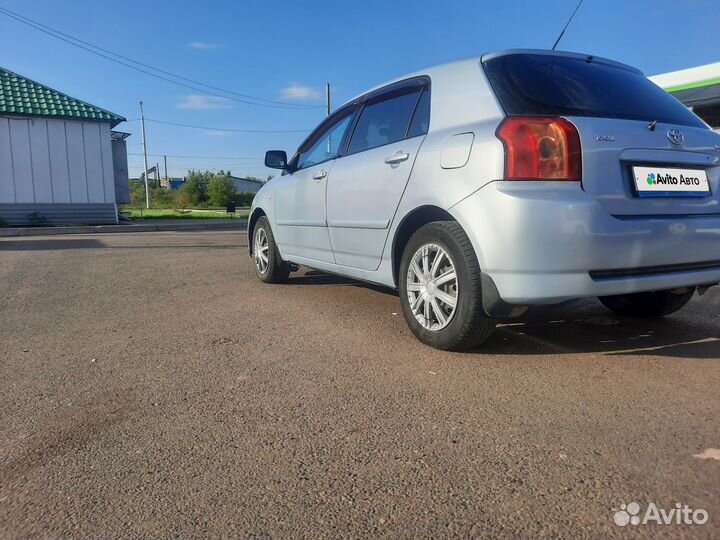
{"x": 543, "y": 242}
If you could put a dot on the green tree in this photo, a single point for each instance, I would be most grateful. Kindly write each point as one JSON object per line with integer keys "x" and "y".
{"x": 220, "y": 191}
{"x": 195, "y": 186}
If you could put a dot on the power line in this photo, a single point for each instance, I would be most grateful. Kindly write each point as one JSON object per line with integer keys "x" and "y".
{"x": 224, "y": 129}
{"x": 89, "y": 47}
{"x": 195, "y": 157}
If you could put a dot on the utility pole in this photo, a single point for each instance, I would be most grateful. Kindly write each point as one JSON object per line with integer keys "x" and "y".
{"x": 327, "y": 105}
{"x": 144, "y": 143}
{"x": 157, "y": 173}
{"x": 166, "y": 176}
{"x": 327, "y": 97}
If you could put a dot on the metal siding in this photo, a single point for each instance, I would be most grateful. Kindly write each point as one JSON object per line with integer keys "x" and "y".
{"x": 76, "y": 162}
{"x": 93, "y": 162}
{"x": 107, "y": 163}
{"x": 60, "y": 214}
{"x": 40, "y": 155}
{"x": 7, "y": 178}
{"x": 58, "y": 161}
{"x": 22, "y": 162}
{"x": 120, "y": 172}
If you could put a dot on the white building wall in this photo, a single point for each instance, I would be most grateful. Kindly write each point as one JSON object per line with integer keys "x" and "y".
{"x": 59, "y": 168}
{"x": 7, "y": 180}
{"x": 55, "y": 161}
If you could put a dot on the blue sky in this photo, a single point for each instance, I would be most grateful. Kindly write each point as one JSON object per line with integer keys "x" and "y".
{"x": 287, "y": 51}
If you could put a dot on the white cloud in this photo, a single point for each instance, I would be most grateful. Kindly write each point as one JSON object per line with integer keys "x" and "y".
{"x": 217, "y": 133}
{"x": 300, "y": 92}
{"x": 204, "y": 102}
{"x": 202, "y": 45}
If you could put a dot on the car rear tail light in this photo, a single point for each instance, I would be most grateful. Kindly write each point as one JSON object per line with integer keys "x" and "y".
{"x": 540, "y": 148}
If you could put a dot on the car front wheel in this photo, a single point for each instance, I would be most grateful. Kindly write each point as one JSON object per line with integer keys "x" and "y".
{"x": 269, "y": 267}
{"x": 648, "y": 304}
{"x": 440, "y": 288}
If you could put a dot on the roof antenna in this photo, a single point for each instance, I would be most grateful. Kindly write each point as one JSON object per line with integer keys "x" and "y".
{"x": 566, "y": 25}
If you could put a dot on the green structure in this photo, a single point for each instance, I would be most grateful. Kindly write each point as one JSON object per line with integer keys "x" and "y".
{"x": 697, "y": 88}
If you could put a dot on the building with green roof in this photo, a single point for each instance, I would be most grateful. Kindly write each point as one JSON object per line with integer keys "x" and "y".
{"x": 60, "y": 160}
{"x": 697, "y": 88}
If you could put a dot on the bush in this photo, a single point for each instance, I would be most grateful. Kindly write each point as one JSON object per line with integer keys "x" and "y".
{"x": 195, "y": 187}
{"x": 220, "y": 191}
{"x": 182, "y": 201}
{"x": 162, "y": 198}
{"x": 244, "y": 198}
{"x": 137, "y": 194}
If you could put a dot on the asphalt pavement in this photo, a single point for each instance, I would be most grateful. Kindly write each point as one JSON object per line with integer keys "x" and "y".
{"x": 152, "y": 387}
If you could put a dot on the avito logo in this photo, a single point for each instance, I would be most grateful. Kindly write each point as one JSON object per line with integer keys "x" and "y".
{"x": 682, "y": 514}
{"x": 669, "y": 179}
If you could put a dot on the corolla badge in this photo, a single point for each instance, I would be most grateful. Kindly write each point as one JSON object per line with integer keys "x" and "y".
{"x": 675, "y": 136}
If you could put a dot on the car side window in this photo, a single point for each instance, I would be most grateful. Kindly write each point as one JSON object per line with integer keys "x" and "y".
{"x": 327, "y": 143}
{"x": 384, "y": 120}
{"x": 421, "y": 118}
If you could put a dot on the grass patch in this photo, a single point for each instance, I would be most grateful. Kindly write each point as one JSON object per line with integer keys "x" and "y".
{"x": 168, "y": 213}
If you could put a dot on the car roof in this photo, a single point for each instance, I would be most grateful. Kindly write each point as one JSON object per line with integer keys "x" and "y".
{"x": 457, "y": 67}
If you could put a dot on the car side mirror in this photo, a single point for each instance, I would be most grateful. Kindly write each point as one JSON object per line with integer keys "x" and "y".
{"x": 276, "y": 159}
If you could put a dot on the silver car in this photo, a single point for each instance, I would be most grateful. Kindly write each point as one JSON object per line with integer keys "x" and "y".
{"x": 481, "y": 187}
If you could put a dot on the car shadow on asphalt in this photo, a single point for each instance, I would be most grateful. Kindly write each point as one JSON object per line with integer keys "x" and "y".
{"x": 25, "y": 244}
{"x": 580, "y": 326}
{"x": 314, "y": 277}
{"x": 585, "y": 326}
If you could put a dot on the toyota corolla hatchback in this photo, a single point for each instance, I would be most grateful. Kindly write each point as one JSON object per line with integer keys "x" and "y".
{"x": 484, "y": 186}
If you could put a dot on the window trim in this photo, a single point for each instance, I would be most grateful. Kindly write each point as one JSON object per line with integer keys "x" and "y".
{"x": 415, "y": 110}
{"x": 320, "y": 130}
{"x": 358, "y": 105}
{"x": 423, "y": 81}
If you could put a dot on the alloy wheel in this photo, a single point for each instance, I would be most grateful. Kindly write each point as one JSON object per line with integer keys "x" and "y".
{"x": 261, "y": 249}
{"x": 432, "y": 288}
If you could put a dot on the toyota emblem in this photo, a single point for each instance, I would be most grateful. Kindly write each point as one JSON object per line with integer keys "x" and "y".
{"x": 675, "y": 136}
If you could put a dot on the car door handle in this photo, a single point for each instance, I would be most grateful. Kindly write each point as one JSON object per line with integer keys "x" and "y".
{"x": 397, "y": 157}
{"x": 319, "y": 175}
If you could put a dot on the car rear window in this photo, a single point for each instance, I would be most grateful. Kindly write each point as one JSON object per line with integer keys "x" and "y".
{"x": 547, "y": 85}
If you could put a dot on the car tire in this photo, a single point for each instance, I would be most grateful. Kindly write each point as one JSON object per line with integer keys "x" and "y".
{"x": 648, "y": 305}
{"x": 269, "y": 266}
{"x": 465, "y": 325}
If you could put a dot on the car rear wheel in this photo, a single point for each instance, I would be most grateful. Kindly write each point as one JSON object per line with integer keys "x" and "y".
{"x": 269, "y": 267}
{"x": 440, "y": 288}
{"x": 648, "y": 304}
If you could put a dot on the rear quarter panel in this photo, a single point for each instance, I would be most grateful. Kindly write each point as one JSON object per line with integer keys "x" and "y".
{"x": 461, "y": 102}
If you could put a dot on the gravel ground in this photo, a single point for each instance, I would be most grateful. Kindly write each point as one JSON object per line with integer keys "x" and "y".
{"x": 153, "y": 388}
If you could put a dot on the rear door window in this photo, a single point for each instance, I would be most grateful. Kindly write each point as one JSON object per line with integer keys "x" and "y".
{"x": 384, "y": 119}
{"x": 421, "y": 117}
{"x": 547, "y": 85}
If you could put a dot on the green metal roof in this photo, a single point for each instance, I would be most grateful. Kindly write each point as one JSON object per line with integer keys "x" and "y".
{"x": 21, "y": 96}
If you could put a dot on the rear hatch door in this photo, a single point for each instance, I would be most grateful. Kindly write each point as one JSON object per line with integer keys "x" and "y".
{"x": 633, "y": 167}
{"x": 631, "y": 131}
